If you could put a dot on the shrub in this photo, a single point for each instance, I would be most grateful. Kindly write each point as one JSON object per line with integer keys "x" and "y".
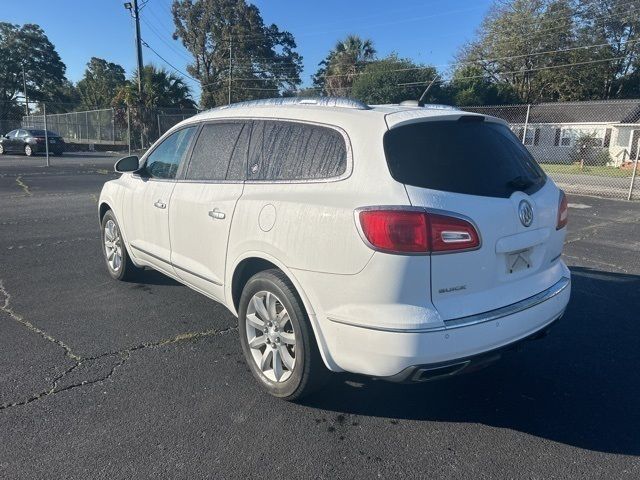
{"x": 588, "y": 151}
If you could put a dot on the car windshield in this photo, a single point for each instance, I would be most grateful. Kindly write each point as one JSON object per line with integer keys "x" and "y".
{"x": 40, "y": 133}
{"x": 470, "y": 155}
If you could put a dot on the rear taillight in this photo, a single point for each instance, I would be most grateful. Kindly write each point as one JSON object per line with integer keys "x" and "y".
{"x": 416, "y": 231}
{"x": 563, "y": 211}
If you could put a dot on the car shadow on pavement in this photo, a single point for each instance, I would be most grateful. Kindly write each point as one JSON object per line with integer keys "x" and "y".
{"x": 579, "y": 386}
{"x": 148, "y": 276}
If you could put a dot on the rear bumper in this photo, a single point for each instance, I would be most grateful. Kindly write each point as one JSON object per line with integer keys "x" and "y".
{"x": 399, "y": 353}
{"x": 426, "y": 373}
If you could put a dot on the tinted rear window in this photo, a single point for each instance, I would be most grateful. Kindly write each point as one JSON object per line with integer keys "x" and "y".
{"x": 468, "y": 156}
{"x": 283, "y": 150}
{"x": 220, "y": 152}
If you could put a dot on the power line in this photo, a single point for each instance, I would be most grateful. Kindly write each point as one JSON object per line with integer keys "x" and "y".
{"x": 522, "y": 72}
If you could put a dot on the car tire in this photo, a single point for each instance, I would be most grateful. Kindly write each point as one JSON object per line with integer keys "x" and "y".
{"x": 119, "y": 264}
{"x": 28, "y": 151}
{"x": 288, "y": 337}
{"x": 1, "y": 149}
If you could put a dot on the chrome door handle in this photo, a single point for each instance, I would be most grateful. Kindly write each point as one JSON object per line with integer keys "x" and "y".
{"x": 217, "y": 214}
{"x": 159, "y": 204}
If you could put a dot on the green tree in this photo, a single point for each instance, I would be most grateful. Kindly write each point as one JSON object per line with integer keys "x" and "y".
{"x": 100, "y": 84}
{"x": 28, "y": 47}
{"x": 470, "y": 85}
{"x": 162, "y": 93}
{"x": 549, "y": 50}
{"x": 160, "y": 89}
{"x": 616, "y": 24}
{"x": 341, "y": 66}
{"x": 393, "y": 79}
{"x": 264, "y": 62}
{"x": 514, "y": 44}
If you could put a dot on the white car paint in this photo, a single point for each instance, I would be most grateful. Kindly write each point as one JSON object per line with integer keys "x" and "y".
{"x": 372, "y": 312}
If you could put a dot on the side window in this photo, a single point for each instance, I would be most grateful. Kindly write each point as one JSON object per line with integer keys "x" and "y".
{"x": 22, "y": 134}
{"x": 295, "y": 151}
{"x": 165, "y": 159}
{"x": 220, "y": 152}
{"x": 12, "y": 133}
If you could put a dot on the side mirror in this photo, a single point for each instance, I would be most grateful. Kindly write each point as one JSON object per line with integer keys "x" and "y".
{"x": 127, "y": 164}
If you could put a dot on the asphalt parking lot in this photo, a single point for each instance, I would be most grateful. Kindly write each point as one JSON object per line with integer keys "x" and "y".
{"x": 104, "y": 379}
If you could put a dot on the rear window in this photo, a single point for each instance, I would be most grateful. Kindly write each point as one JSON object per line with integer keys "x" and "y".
{"x": 293, "y": 151}
{"x": 468, "y": 156}
{"x": 220, "y": 152}
{"x": 40, "y": 133}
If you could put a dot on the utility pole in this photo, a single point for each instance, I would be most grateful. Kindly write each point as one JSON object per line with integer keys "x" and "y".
{"x": 24, "y": 88}
{"x": 135, "y": 12}
{"x": 230, "y": 65}
{"x": 136, "y": 17}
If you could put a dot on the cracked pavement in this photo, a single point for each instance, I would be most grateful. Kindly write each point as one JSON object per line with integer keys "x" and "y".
{"x": 104, "y": 379}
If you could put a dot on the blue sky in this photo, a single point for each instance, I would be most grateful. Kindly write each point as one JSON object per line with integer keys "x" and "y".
{"x": 428, "y": 31}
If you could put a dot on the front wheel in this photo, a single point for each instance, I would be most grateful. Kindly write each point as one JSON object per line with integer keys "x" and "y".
{"x": 119, "y": 265}
{"x": 1, "y": 149}
{"x": 277, "y": 338}
{"x": 28, "y": 151}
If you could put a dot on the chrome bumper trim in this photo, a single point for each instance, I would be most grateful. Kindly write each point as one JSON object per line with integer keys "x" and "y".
{"x": 476, "y": 319}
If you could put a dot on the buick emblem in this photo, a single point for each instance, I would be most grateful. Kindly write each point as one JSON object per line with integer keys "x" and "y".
{"x": 525, "y": 212}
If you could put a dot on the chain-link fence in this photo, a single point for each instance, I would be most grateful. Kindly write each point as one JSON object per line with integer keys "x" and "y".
{"x": 588, "y": 148}
{"x": 120, "y": 129}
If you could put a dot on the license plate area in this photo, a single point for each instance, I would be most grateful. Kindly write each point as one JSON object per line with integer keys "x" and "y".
{"x": 519, "y": 261}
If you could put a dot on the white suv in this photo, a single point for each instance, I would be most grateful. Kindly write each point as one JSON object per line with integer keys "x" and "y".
{"x": 402, "y": 242}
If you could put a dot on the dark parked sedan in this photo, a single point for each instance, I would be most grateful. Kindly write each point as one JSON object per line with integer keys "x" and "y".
{"x": 31, "y": 141}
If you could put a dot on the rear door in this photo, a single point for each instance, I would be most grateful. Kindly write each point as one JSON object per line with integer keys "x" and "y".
{"x": 10, "y": 142}
{"x": 477, "y": 169}
{"x": 203, "y": 204}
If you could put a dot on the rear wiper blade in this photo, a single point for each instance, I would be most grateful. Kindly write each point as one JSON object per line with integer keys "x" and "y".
{"x": 520, "y": 182}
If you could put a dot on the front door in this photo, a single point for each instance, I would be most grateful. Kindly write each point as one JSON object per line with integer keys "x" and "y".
{"x": 202, "y": 205}
{"x": 146, "y": 212}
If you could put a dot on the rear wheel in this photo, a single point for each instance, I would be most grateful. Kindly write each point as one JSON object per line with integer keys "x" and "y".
{"x": 277, "y": 339}
{"x": 28, "y": 151}
{"x": 119, "y": 265}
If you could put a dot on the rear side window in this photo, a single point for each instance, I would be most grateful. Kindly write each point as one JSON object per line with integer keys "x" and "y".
{"x": 220, "y": 152}
{"x": 295, "y": 151}
{"x": 468, "y": 156}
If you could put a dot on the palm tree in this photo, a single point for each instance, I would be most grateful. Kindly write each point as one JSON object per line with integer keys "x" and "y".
{"x": 160, "y": 89}
{"x": 164, "y": 96}
{"x": 343, "y": 63}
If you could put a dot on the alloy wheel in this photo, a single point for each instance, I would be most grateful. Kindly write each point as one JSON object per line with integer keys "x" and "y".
{"x": 271, "y": 336}
{"x": 113, "y": 245}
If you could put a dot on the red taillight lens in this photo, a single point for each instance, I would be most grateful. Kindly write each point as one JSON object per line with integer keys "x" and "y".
{"x": 395, "y": 230}
{"x": 403, "y": 231}
{"x": 563, "y": 211}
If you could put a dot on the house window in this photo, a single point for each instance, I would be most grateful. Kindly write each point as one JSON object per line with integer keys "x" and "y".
{"x": 566, "y": 137}
{"x": 599, "y": 137}
{"x": 532, "y": 136}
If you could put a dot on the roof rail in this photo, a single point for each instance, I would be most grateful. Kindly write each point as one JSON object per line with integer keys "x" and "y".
{"x": 433, "y": 106}
{"x": 314, "y": 101}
